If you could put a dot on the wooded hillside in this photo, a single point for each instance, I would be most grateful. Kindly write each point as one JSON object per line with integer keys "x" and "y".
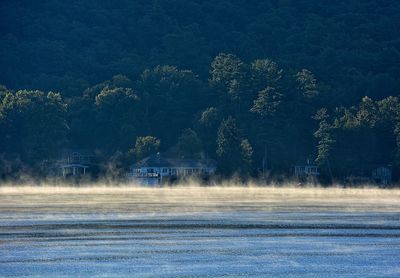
{"x": 253, "y": 84}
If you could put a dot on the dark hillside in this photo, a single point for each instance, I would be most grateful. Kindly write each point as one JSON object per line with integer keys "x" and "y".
{"x": 257, "y": 85}
{"x": 353, "y": 46}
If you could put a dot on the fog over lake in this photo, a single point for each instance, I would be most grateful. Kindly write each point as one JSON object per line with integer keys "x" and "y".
{"x": 194, "y": 231}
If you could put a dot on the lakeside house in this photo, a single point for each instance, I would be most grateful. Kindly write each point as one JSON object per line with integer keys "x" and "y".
{"x": 307, "y": 170}
{"x": 75, "y": 163}
{"x": 382, "y": 175}
{"x": 379, "y": 175}
{"x": 156, "y": 169}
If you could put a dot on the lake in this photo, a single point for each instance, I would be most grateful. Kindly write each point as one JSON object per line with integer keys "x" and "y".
{"x": 199, "y": 232}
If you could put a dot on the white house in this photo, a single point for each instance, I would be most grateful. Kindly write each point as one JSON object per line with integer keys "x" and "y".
{"x": 382, "y": 175}
{"x": 306, "y": 170}
{"x": 75, "y": 163}
{"x": 156, "y": 170}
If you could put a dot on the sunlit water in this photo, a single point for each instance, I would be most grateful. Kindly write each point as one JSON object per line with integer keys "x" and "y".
{"x": 198, "y": 231}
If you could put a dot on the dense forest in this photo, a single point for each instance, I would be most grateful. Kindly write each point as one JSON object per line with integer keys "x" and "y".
{"x": 257, "y": 85}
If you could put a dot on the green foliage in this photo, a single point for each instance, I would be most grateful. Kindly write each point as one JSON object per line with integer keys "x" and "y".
{"x": 86, "y": 42}
{"x": 207, "y": 126}
{"x": 170, "y": 96}
{"x": 116, "y": 113}
{"x": 275, "y": 71}
{"x": 367, "y": 112}
{"x": 246, "y": 157}
{"x": 265, "y": 73}
{"x": 228, "y": 72}
{"x": 307, "y": 83}
{"x": 272, "y": 108}
{"x": 267, "y": 102}
{"x": 228, "y": 137}
{"x": 324, "y": 136}
{"x": 234, "y": 152}
{"x": 34, "y": 124}
{"x": 226, "y": 68}
{"x": 189, "y": 144}
{"x": 145, "y": 146}
{"x": 117, "y": 81}
{"x": 210, "y": 117}
{"x": 360, "y": 138}
{"x": 115, "y": 98}
{"x": 3, "y": 92}
{"x": 389, "y": 112}
{"x": 397, "y": 134}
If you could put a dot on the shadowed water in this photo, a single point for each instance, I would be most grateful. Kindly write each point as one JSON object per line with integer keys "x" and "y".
{"x": 197, "y": 232}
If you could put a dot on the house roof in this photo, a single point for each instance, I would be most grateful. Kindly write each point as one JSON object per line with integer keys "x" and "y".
{"x": 152, "y": 161}
{"x": 74, "y": 165}
{"x": 383, "y": 167}
{"x": 160, "y": 161}
{"x": 83, "y": 152}
{"x": 305, "y": 162}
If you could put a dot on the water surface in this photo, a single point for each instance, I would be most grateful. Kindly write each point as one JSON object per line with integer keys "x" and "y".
{"x": 198, "y": 232}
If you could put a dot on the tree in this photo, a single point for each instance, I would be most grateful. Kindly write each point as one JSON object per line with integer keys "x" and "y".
{"x": 367, "y": 113}
{"x": 117, "y": 118}
{"x": 117, "y": 81}
{"x": 3, "y": 129}
{"x": 389, "y": 111}
{"x": 228, "y": 72}
{"x": 246, "y": 157}
{"x": 324, "y": 136}
{"x": 170, "y": 98}
{"x": 210, "y": 117}
{"x": 307, "y": 83}
{"x": 397, "y": 134}
{"x": 265, "y": 73}
{"x": 233, "y": 151}
{"x": 145, "y": 146}
{"x": 189, "y": 144}
{"x": 35, "y": 124}
{"x": 359, "y": 137}
{"x": 207, "y": 126}
{"x": 3, "y": 92}
{"x": 267, "y": 102}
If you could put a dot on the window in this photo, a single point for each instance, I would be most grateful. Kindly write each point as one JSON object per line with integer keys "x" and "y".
{"x": 75, "y": 157}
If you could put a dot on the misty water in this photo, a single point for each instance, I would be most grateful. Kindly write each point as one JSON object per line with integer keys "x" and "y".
{"x": 199, "y": 231}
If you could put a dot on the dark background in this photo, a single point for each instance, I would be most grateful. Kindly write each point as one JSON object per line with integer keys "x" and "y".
{"x": 106, "y": 59}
